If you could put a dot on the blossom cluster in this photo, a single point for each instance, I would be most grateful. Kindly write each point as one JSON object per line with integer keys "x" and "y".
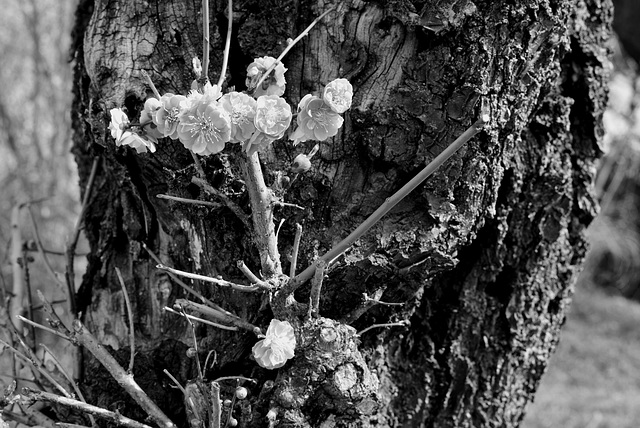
{"x": 205, "y": 120}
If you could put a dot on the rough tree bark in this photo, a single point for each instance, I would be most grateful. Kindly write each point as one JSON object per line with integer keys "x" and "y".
{"x": 483, "y": 255}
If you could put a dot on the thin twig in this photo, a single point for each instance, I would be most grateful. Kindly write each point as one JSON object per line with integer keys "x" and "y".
{"x": 292, "y": 44}
{"x": 185, "y": 286}
{"x": 71, "y": 247}
{"x": 43, "y": 327}
{"x": 227, "y": 46}
{"x": 248, "y": 379}
{"x": 207, "y": 311}
{"x": 287, "y": 205}
{"x": 40, "y": 248}
{"x": 217, "y": 281}
{"x": 195, "y": 346}
{"x": 189, "y": 201}
{"x": 296, "y": 248}
{"x": 205, "y": 39}
{"x": 175, "y": 382}
{"x": 37, "y": 364}
{"x": 316, "y": 287}
{"x": 391, "y": 324}
{"x": 124, "y": 379}
{"x": 132, "y": 338}
{"x": 197, "y": 163}
{"x": 388, "y": 204}
{"x": 202, "y": 183}
{"x": 250, "y": 275}
{"x": 194, "y": 318}
{"x": 150, "y": 83}
{"x": 114, "y": 417}
{"x": 16, "y": 305}
{"x": 66, "y": 375}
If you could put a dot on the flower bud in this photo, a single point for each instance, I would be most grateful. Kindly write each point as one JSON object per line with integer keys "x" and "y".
{"x": 191, "y": 352}
{"x": 301, "y": 163}
{"x": 241, "y": 393}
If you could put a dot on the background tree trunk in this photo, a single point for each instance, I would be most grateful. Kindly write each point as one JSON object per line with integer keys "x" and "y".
{"x": 483, "y": 256}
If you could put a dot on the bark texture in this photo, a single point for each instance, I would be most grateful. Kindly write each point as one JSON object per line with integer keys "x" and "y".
{"x": 483, "y": 256}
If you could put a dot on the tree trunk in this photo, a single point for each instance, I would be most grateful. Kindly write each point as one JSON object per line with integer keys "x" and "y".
{"x": 483, "y": 256}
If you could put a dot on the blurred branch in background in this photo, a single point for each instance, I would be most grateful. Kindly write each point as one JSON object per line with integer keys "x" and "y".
{"x": 35, "y": 163}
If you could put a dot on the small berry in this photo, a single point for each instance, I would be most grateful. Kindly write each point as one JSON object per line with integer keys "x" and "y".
{"x": 301, "y": 163}
{"x": 191, "y": 352}
{"x": 226, "y": 403}
{"x": 233, "y": 422}
{"x": 241, "y": 393}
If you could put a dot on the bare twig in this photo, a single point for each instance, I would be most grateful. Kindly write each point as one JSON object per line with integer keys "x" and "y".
{"x": 71, "y": 247}
{"x": 124, "y": 379}
{"x": 248, "y": 379}
{"x": 217, "y": 281}
{"x": 250, "y": 275}
{"x": 292, "y": 44}
{"x": 114, "y": 417}
{"x": 189, "y": 201}
{"x": 296, "y": 248}
{"x": 191, "y": 317}
{"x": 202, "y": 183}
{"x": 215, "y": 405}
{"x": 150, "y": 83}
{"x": 205, "y": 40}
{"x": 197, "y": 163}
{"x": 39, "y": 246}
{"x": 185, "y": 286}
{"x": 66, "y": 375}
{"x": 37, "y": 364}
{"x": 43, "y": 327}
{"x": 207, "y": 311}
{"x": 227, "y": 45}
{"x": 16, "y": 306}
{"x": 316, "y": 287}
{"x": 388, "y": 204}
{"x": 132, "y": 337}
{"x": 262, "y": 212}
{"x": 391, "y": 324}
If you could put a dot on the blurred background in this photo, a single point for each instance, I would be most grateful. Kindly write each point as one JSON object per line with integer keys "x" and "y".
{"x": 594, "y": 377}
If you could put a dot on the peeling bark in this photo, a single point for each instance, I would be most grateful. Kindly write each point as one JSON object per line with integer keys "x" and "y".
{"x": 483, "y": 255}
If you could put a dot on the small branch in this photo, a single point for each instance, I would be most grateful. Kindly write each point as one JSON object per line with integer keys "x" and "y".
{"x": 37, "y": 364}
{"x": 42, "y": 327}
{"x": 292, "y": 44}
{"x": 71, "y": 247}
{"x": 185, "y": 286}
{"x": 388, "y": 204}
{"x": 216, "y": 413}
{"x": 16, "y": 304}
{"x": 248, "y": 379}
{"x": 125, "y": 380}
{"x": 150, "y": 83}
{"x": 66, "y": 375}
{"x": 224, "y": 198}
{"x": 262, "y": 213}
{"x": 251, "y": 276}
{"x": 197, "y": 163}
{"x": 316, "y": 287}
{"x": 191, "y": 317}
{"x": 205, "y": 39}
{"x": 379, "y": 302}
{"x": 217, "y": 281}
{"x": 189, "y": 201}
{"x": 43, "y": 255}
{"x": 132, "y": 339}
{"x": 227, "y": 45}
{"x": 116, "y": 418}
{"x": 391, "y": 324}
{"x": 296, "y": 248}
{"x": 207, "y": 311}
{"x": 287, "y": 205}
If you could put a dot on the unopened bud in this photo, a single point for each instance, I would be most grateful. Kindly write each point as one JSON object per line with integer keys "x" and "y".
{"x": 301, "y": 163}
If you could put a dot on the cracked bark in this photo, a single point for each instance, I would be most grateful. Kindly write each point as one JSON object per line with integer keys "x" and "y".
{"x": 484, "y": 254}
